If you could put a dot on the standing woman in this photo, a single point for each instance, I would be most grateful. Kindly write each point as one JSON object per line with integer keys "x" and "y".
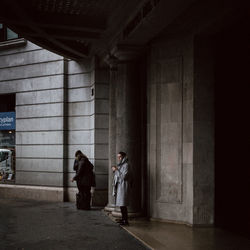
{"x": 121, "y": 177}
{"x": 84, "y": 180}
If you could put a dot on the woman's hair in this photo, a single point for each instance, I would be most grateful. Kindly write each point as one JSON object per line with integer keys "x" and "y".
{"x": 79, "y": 152}
{"x": 122, "y": 154}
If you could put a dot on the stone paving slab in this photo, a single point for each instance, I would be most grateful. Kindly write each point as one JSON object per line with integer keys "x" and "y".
{"x": 170, "y": 236}
{"x": 34, "y": 225}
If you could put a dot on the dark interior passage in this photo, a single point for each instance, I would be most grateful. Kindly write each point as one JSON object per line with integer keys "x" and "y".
{"x": 232, "y": 140}
{"x": 7, "y": 103}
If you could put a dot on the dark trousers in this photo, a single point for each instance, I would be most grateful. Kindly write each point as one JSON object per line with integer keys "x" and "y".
{"x": 86, "y": 195}
{"x": 124, "y": 212}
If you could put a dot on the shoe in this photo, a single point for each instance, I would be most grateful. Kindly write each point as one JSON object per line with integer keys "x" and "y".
{"x": 124, "y": 223}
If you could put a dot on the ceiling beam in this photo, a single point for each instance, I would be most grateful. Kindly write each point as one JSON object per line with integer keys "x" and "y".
{"x": 69, "y": 25}
{"x": 65, "y": 35}
{"x": 46, "y": 44}
{"x": 71, "y": 21}
{"x": 21, "y": 13}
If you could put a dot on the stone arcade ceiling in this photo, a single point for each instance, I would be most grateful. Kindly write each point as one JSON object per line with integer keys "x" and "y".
{"x": 81, "y": 28}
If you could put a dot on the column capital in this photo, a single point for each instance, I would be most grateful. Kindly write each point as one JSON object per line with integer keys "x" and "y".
{"x": 125, "y": 52}
{"x": 112, "y": 61}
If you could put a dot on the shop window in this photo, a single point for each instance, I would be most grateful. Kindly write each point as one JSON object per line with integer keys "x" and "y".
{"x": 6, "y": 33}
{"x": 7, "y": 138}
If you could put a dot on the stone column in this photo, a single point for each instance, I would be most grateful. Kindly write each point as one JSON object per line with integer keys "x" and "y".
{"x": 125, "y": 121}
{"x": 112, "y": 61}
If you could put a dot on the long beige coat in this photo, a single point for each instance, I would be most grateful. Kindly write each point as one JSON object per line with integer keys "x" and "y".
{"x": 122, "y": 183}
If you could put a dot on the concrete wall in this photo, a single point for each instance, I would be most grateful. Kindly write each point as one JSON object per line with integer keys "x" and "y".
{"x": 88, "y": 121}
{"x": 100, "y": 79}
{"x": 170, "y": 129}
{"x": 79, "y": 118}
{"x": 57, "y": 113}
{"x": 181, "y": 118}
{"x": 181, "y": 110}
{"x": 36, "y": 76}
{"x": 204, "y": 136}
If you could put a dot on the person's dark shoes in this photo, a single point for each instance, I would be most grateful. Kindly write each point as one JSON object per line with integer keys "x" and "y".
{"x": 124, "y": 223}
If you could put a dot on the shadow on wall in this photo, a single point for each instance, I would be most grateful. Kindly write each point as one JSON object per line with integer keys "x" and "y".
{"x": 232, "y": 185}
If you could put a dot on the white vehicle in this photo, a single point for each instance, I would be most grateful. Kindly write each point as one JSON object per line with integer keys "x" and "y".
{"x": 5, "y": 162}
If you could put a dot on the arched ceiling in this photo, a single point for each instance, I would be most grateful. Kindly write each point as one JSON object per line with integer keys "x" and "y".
{"x": 82, "y": 28}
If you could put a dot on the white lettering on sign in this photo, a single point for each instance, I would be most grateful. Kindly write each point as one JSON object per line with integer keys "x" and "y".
{"x": 6, "y": 119}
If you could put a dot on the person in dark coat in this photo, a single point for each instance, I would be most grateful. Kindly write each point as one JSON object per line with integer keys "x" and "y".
{"x": 121, "y": 184}
{"x": 84, "y": 178}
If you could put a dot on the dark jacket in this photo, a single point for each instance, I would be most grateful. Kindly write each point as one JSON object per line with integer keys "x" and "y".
{"x": 84, "y": 172}
{"x": 75, "y": 166}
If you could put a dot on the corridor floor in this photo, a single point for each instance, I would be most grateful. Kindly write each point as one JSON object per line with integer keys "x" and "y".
{"x": 169, "y": 236}
{"x": 33, "y": 225}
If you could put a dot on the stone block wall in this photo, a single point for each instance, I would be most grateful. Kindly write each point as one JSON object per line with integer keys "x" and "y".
{"x": 170, "y": 129}
{"x": 204, "y": 126}
{"x": 88, "y": 121}
{"x": 100, "y": 80}
{"x": 61, "y": 106}
{"x": 36, "y": 77}
{"x": 181, "y": 130}
{"x": 80, "y": 114}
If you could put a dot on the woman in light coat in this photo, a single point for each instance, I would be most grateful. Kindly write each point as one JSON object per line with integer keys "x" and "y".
{"x": 121, "y": 186}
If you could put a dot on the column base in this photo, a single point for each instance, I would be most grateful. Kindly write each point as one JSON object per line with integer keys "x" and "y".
{"x": 118, "y": 214}
{"x": 109, "y": 208}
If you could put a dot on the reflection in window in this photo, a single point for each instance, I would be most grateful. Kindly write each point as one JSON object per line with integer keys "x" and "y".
{"x": 3, "y": 155}
{"x": 7, "y": 156}
{"x": 7, "y": 165}
{"x": 6, "y": 33}
{"x": 7, "y": 138}
{"x": 11, "y": 34}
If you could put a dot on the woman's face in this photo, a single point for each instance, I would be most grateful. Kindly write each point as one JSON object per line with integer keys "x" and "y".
{"x": 119, "y": 157}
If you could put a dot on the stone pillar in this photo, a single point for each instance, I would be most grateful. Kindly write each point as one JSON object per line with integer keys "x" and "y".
{"x": 112, "y": 61}
{"x": 125, "y": 122}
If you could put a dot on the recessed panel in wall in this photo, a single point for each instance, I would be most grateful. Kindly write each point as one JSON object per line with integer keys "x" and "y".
{"x": 169, "y": 130}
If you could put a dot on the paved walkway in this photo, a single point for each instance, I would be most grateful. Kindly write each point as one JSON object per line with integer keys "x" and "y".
{"x": 32, "y": 225}
{"x": 168, "y": 236}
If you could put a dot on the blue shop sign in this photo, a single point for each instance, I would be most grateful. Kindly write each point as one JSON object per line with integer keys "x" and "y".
{"x": 7, "y": 120}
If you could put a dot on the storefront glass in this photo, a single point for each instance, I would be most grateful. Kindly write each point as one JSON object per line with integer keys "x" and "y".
{"x": 7, "y": 147}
